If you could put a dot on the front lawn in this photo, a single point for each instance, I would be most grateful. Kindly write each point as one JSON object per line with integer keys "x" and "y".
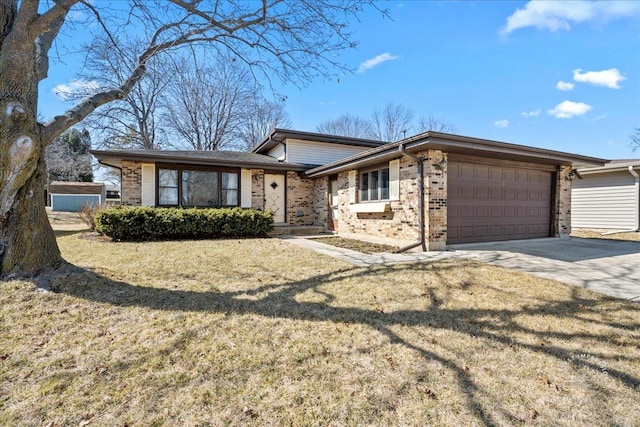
{"x": 259, "y": 332}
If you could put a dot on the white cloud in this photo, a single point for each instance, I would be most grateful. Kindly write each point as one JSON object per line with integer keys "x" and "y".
{"x": 534, "y": 113}
{"x": 609, "y": 78}
{"x": 569, "y": 109}
{"x": 372, "y": 62}
{"x": 560, "y": 15}
{"x": 565, "y": 85}
{"x": 77, "y": 88}
{"x": 501, "y": 123}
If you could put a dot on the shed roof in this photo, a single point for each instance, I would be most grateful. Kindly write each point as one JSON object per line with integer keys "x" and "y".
{"x": 460, "y": 145}
{"x": 64, "y": 187}
{"x": 114, "y": 158}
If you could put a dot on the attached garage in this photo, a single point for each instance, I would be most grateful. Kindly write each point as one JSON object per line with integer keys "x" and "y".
{"x": 489, "y": 201}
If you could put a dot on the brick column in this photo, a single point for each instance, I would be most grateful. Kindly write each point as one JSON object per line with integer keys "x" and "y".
{"x": 257, "y": 189}
{"x": 321, "y": 201}
{"x": 131, "y": 183}
{"x": 435, "y": 193}
{"x": 562, "y": 218}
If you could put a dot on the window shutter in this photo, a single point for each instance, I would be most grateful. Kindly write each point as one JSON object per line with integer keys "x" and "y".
{"x": 148, "y": 196}
{"x": 352, "y": 186}
{"x": 245, "y": 188}
{"x": 394, "y": 180}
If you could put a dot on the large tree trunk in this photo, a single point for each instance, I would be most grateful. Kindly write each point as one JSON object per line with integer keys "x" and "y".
{"x": 27, "y": 243}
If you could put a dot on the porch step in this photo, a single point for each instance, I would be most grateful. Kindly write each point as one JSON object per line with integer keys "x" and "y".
{"x": 296, "y": 230}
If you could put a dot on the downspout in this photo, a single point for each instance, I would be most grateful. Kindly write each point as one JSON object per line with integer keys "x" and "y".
{"x": 637, "y": 204}
{"x": 421, "y": 241}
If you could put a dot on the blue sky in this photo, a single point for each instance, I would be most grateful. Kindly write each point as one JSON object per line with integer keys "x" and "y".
{"x": 461, "y": 62}
{"x": 559, "y": 75}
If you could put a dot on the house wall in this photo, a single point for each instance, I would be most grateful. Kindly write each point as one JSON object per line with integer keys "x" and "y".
{"x": 257, "y": 189}
{"x": 277, "y": 152}
{"x": 401, "y": 220}
{"x": 318, "y": 153}
{"x": 604, "y": 200}
{"x": 321, "y": 201}
{"x": 435, "y": 170}
{"x": 131, "y": 183}
{"x": 299, "y": 203}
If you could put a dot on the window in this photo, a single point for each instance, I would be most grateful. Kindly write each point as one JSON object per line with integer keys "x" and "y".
{"x": 193, "y": 187}
{"x": 200, "y": 188}
{"x": 167, "y": 187}
{"x": 229, "y": 189}
{"x": 374, "y": 185}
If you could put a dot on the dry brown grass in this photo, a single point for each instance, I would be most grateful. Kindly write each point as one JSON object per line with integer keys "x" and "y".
{"x": 597, "y": 234}
{"x": 357, "y": 245}
{"x": 256, "y": 332}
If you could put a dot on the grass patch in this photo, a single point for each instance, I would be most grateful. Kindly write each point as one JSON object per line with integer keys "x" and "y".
{"x": 258, "y": 332}
{"x": 595, "y": 234}
{"x": 356, "y": 245}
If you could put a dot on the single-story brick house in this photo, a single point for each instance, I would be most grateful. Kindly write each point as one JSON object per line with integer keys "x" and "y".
{"x": 72, "y": 196}
{"x": 433, "y": 188}
{"x": 607, "y": 197}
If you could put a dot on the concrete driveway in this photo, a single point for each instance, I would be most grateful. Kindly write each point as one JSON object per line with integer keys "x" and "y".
{"x": 608, "y": 266}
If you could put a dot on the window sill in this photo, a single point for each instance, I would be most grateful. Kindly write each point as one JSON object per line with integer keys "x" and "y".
{"x": 369, "y": 207}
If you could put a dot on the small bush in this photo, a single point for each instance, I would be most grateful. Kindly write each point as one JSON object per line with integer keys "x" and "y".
{"x": 147, "y": 223}
{"x": 88, "y": 214}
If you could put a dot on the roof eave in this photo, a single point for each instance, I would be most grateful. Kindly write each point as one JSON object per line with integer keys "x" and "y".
{"x": 114, "y": 159}
{"x": 459, "y": 145}
{"x": 278, "y": 136}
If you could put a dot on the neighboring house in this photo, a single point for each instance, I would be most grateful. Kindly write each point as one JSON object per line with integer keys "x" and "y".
{"x": 607, "y": 197}
{"x": 72, "y": 196}
{"x": 433, "y": 188}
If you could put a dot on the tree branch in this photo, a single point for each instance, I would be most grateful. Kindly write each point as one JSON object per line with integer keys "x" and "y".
{"x": 58, "y": 12}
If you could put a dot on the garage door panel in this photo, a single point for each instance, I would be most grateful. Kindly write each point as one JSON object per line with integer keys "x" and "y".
{"x": 488, "y": 203}
{"x": 496, "y": 231}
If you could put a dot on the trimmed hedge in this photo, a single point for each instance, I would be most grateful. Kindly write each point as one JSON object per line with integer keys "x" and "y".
{"x": 134, "y": 223}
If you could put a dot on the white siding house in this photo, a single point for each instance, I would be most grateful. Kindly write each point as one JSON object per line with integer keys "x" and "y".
{"x": 607, "y": 197}
{"x": 319, "y": 153}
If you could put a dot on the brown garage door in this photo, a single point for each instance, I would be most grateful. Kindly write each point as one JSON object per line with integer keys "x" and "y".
{"x": 488, "y": 203}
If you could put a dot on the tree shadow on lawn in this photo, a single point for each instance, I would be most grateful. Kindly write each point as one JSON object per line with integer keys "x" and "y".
{"x": 278, "y": 300}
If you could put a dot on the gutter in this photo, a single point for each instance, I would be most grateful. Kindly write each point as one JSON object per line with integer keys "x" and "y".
{"x": 637, "y": 205}
{"x": 421, "y": 241}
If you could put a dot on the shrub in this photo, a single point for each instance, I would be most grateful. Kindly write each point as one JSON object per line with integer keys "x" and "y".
{"x": 147, "y": 223}
{"x": 88, "y": 214}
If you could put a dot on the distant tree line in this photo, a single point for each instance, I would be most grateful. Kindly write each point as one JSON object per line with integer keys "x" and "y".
{"x": 391, "y": 123}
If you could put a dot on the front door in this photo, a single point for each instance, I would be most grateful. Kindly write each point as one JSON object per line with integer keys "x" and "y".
{"x": 274, "y": 194}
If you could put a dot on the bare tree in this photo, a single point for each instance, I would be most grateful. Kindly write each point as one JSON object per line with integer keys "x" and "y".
{"x": 134, "y": 121}
{"x": 391, "y": 123}
{"x": 262, "y": 117}
{"x": 432, "y": 123}
{"x": 346, "y": 125}
{"x": 635, "y": 139}
{"x": 68, "y": 157}
{"x": 205, "y": 106}
{"x": 289, "y": 40}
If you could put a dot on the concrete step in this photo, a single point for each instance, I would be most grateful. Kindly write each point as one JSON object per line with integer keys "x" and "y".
{"x": 296, "y": 230}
